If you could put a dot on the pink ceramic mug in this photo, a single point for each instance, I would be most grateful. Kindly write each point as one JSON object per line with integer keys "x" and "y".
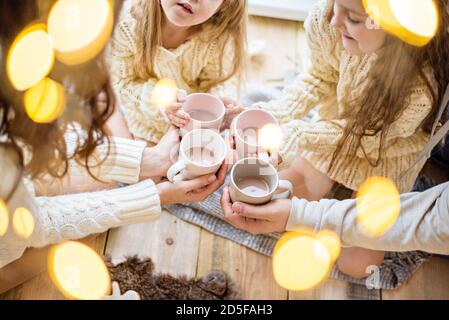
{"x": 245, "y": 129}
{"x": 206, "y": 112}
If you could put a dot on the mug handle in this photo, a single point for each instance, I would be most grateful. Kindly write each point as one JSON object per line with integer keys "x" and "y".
{"x": 284, "y": 184}
{"x": 175, "y": 170}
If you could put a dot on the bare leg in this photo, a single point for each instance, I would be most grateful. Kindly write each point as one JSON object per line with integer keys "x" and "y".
{"x": 355, "y": 262}
{"x": 308, "y": 182}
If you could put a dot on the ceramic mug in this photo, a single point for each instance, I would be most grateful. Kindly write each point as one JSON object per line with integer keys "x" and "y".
{"x": 245, "y": 129}
{"x": 255, "y": 181}
{"x": 201, "y": 152}
{"x": 206, "y": 112}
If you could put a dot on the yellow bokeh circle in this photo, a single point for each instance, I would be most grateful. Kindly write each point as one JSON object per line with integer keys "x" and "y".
{"x": 23, "y": 223}
{"x": 415, "y": 22}
{"x": 300, "y": 262}
{"x": 271, "y": 137}
{"x": 80, "y": 29}
{"x": 4, "y": 218}
{"x": 378, "y": 206}
{"x": 45, "y": 102}
{"x": 78, "y": 271}
{"x": 30, "y": 58}
{"x": 164, "y": 93}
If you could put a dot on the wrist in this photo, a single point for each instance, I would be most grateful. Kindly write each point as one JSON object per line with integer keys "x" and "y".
{"x": 151, "y": 164}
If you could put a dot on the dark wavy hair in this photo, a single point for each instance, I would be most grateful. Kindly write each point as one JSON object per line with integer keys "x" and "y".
{"x": 41, "y": 148}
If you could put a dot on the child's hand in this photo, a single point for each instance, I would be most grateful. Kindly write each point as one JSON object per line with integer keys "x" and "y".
{"x": 174, "y": 112}
{"x": 232, "y": 111}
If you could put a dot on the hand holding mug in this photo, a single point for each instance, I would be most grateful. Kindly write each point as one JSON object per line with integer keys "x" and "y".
{"x": 178, "y": 117}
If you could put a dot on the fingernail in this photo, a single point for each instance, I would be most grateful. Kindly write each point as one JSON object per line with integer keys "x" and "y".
{"x": 212, "y": 179}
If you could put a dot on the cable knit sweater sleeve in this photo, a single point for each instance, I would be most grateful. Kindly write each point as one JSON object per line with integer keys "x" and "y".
{"x": 325, "y": 135}
{"x": 317, "y": 83}
{"x": 145, "y": 119}
{"x": 72, "y": 217}
{"x": 228, "y": 89}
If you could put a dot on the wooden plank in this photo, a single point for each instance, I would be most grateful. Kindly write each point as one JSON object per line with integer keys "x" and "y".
{"x": 251, "y": 271}
{"x": 41, "y": 287}
{"x": 431, "y": 281}
{"x": 280, "y": 38}
{"x": 329, "y": 290}
{"x": 172, "y": 244}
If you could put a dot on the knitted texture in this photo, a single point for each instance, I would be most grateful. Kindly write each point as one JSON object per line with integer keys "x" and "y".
{"x": 334, "y": 76}
{"x": 71, "y": 217}
{"x": 192, "y": 65}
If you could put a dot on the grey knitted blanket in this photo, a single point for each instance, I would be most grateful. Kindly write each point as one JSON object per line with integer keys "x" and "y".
{"x": 395, "y": 270}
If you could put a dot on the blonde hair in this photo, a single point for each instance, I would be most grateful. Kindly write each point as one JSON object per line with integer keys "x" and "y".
{"x": 227, "y": 24}
{"x": 399, "y": 67}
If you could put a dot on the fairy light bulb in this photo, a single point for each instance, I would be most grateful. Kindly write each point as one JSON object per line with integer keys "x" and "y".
{"x": 23, "y": 223}
{"x": 80, "y": 29}
{"x": 300, "y": 261}
{"x": 164, "y": 93}
{"x": 271, "y": 137}
{"x": 413, "y": 21}
{"x": 30, "y": 58}
{"x": 78, "y": 271}
{"x": 45, "y": 102}
{"x": 4, "y": 218}
{"x": 378, "y": 206}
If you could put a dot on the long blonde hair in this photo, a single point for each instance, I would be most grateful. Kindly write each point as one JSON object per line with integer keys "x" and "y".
{"x": 391, "y": 80}
{"x": 228, "y": 24}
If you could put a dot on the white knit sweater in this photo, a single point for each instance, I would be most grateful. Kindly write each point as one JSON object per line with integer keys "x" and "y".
{"x": 335, "y": 75}
{"x": 72, "y": 217}
{"x": 192, "y": 65}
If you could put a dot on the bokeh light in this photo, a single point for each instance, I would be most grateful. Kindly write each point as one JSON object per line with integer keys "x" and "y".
{"x": 164, "y": 93}
{"x": 30, "y": 58}
{"x": 300, "y": 261}
{"x": 413, "y": 21}
{"x": 271, "y": 137}
{"x": 80, "y": 29}
{"x": 23, "y": 223}
{"x": 45, "y": 102}
{"x": 4, "y": 218}
{"x": 78, "y": 271}
{"x": 378, "y": 206}
{"x": 332, "y": 243}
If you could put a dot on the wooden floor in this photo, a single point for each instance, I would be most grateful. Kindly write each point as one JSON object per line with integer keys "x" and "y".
{"x": 179, "y": 248}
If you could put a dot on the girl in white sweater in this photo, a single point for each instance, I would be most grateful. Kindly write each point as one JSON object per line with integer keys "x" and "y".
{"x": 29, "y": 150}
{"x": 199, "y": 45}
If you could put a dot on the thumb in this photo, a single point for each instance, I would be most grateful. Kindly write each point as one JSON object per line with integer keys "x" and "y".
{"x": 250, "y": 211}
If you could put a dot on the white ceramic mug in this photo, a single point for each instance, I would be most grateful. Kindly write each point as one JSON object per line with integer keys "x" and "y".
{"x": 206, "y": 112}
{"x": 265, "y": 177}
{"x": 245, "y": 129}
{"x": 201, "y": 152}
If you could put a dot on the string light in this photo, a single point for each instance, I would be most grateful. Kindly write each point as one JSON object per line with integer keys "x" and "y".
{"x": 378, "y": 206}
{"x": 4, "y": 218}
{"x": 78, "y": 271}
{"x": 23, "y": 223}
{"x": 45, "y": 102}
{"x": 413, "y": 21}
